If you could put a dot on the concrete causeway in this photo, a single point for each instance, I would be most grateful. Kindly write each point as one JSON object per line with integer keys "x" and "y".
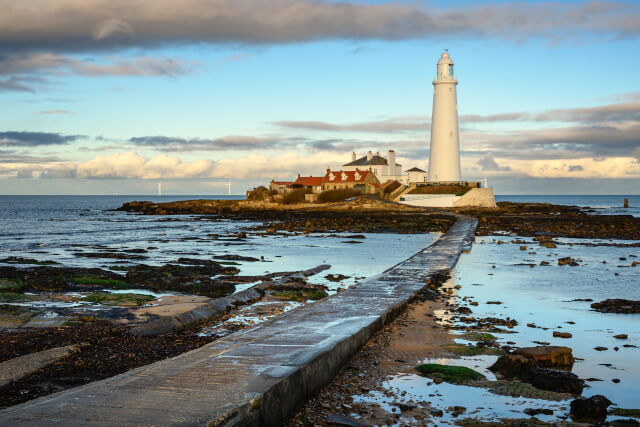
{"x": 257, "y": 376}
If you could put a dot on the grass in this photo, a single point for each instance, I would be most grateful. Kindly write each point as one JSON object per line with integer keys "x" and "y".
{"x": 301, "y": 295}
{"x": 11, "y": 284}
{"x": 450, "y": 374}
{"x": 472, "y": 350}
{"x": 458, "y": 190}
{"x": 118, "y": 268}
{"x": 107, "y": 298}
{"x": 99, "y": 281}
{"x": 294, "y": 196}
{"x": 478, "y": 336}
{"x": 340, "y": 195}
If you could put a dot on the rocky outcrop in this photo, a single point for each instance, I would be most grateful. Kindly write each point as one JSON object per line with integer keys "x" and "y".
{"x": 617, "y": 306}
{"x": 193, "y": 278}
{"x": 590, "y": 409}
{"x": 534, "y": 366}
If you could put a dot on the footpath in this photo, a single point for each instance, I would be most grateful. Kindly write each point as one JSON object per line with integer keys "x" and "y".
{"x": 257, "y": 376}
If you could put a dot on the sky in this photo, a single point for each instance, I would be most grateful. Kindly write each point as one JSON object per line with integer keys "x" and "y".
{"x": 115, "y": 96}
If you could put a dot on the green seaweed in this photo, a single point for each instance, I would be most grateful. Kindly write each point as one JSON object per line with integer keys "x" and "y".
{"x": 621, "y": 412}
{"x": 99, "y": 281}
{"x": 13, "y": 297}
{"x": 472, "y": 350}
{"x": 300, "y": 295}
{"x": 129, "y": 299}
{"x": 450, "y": 374}
{"x": 478, "y": 336}
{"x": 118, "y": 268}
{"x": 11, "y": 284}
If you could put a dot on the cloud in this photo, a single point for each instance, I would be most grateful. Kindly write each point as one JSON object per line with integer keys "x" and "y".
{"x": 77, "y": 25}
{"x": 109, "y": 27}
{"x": 14, "y": 84}
{"x": 400, "y": 124}
{"x": 488, "y": 163}
{"x": 114, "y": 66}
{"x": 229, "y": 142}
{"x": 34, "y": 139}
{"x": 46, "y": 112}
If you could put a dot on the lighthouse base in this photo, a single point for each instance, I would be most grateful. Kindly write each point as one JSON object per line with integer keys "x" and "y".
{"x": 475, "y": 197}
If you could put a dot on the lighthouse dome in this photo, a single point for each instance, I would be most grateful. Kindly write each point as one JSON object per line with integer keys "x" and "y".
{"x": 445, "y": 59}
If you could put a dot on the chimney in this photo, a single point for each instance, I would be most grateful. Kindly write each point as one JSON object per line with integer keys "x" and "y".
{"x": 369, "y": 156}
{"x": 328, "y": 170}
{"x": 378, "y": 153}
{"x": 391, "y": 161}
{"x": 353, "y": 156}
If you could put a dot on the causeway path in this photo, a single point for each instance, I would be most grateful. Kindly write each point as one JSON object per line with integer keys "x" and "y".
{"x": 257, "y": 376}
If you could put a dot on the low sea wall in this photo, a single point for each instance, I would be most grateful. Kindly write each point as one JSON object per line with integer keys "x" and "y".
{"x": 257, "y": 376}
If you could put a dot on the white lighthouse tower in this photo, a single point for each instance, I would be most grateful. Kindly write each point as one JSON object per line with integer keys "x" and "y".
{"x": 444, "y": 153}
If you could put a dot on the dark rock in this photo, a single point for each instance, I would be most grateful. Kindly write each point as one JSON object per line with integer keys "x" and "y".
{"x": 558, "y": 334}
{"x": 600, "y": 348}
{"x": 568, "y": 261}
{"x": 537, "y": 411}
{"x": 554, "y": 380}
{"x": 617, "y": 306}
{"x": 621, "y": 336}
{"x": 590, "y": 409}
{"x": 193, "y": 279}
{"x": 236, "y": 258}
{"x": 341, "y": 420}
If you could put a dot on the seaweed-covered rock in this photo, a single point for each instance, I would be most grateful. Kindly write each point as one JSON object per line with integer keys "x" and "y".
{"x": 194, "y": 279}
{"x": 590, "y": 409}
{"x": 555, "y": 380}
{"x": 617, "y": 306}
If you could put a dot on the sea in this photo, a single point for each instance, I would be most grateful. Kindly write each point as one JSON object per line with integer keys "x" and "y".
{"x": 58, "y": 228}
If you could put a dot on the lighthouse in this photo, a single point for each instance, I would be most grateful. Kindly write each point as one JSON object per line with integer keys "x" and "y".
{"x": 444, "y": 153}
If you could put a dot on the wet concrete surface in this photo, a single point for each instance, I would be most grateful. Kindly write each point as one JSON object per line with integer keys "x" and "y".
{"x": 257, "y": 376}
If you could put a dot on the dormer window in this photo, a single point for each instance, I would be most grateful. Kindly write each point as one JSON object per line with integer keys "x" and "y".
{"x": 343, "y": 176}
{"x": 332, "y": 177}
{"x": 357, "y": 176}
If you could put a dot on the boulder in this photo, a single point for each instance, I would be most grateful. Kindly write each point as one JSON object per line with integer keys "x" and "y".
{"x": 555, "y": 380}
{"x": 590, "y": 409}
{"x": 547, "y": 356}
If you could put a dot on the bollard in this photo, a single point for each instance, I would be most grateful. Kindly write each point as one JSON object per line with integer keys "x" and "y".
{"x": 626, "y": 203}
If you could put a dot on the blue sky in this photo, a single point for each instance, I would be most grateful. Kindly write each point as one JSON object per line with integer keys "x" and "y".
{"x": 116, "y": 97}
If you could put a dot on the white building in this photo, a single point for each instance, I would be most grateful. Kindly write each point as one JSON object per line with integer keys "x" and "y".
{"x": 384, "y": 169}
{"x": 444, "y": 153}
{"x": 416, "y": 175}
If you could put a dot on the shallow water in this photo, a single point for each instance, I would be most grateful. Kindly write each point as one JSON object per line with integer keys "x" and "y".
{"x": 543, "y": 294}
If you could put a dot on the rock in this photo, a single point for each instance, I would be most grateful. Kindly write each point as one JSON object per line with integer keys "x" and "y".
{"x": 554, "y": 380}
{"x": 600, "y": 348}
{"x": 549, "y": 245}
{"x": 615, "y": 380}
{"x": 590, "y": 409}
{"x": 548, "y": 356}
{"x": 568, "y": 260}
{"x": 537, "y": 411}
{"x": 617, "y": 306}
{"x": 341, "y": 420}
{"x": 525, "y": 364}
{"x": 494, "y": 302}
{"x": 621, "y": 336}
{"x": 523, "y": 248}
{"x": 558, "y": 334}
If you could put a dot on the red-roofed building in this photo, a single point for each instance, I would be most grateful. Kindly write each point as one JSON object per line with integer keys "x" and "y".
{"x": 313, "y": 183}
{"x": 365, "y": 181}
{"x": 279, "y": 186}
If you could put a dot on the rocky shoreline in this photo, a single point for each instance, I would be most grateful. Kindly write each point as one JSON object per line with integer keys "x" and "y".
{"x": 113, "y": 347}
{"x": 524, "y": 219}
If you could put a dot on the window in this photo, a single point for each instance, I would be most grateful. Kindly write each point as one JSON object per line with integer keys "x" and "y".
{"x": 451, "y": 70}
